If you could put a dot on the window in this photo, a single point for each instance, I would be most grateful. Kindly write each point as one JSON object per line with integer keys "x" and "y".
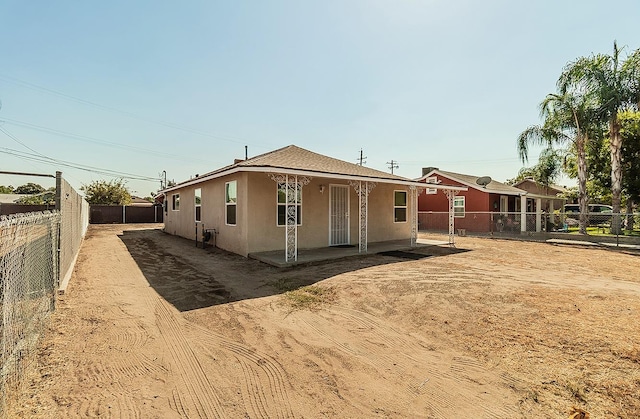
{"x": 282, "y": 205}
{"x": 198, "y": 204}
{"x": 175, "y": 202}
{"x": 231, "y": 201}
{"x": 458, "y": 206}
{"x": 400, "y": 206}
{"x": 431, "y": 191}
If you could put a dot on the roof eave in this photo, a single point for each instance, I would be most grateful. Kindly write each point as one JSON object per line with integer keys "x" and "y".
{"x": 311, "y": 173}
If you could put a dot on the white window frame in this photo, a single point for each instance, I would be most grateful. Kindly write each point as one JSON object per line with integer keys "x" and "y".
{"x": 228, "y": 203}
{"x": 457, "y": 199}
{"x": 197, "y": 201}
{"x": 283, "y": 187}
{"x": 175, "y": 202}
{"x": 434, "y": 180}
{"x": 405, "y": 206}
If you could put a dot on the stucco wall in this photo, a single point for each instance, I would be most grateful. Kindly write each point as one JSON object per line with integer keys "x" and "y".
{"x": 182, "y": 222}
{"x": 265, "y": 235}
{"x": 257, "y": 229}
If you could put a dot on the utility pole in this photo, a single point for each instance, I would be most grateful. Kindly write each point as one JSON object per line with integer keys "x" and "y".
{"x": 163, "y": 179}
{"x": 362, "y": 160}
{"x": 393, "y": 165}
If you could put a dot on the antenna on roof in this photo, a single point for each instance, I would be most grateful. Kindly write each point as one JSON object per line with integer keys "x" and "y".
{"x": 483, "y": 181}
{"x": 246, "y": 152}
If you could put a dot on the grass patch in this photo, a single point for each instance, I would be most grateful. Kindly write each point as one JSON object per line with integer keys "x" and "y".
{"x": 310, "y": 297}
{"x": 603, "y": 231}
{"x": 284, "y": 284}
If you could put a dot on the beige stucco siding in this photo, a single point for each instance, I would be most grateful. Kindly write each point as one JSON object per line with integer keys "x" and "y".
{"x": 256, "y": 229}
{"x": 213, "y": 213}
{"x": 381, "y": 214}
{"x": 265, "y": 235}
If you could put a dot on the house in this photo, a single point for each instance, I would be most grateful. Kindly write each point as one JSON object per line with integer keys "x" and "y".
{"x": 487, "y": 206}
{"x": 290, "y": 199}
{"x": 551, "y": 195}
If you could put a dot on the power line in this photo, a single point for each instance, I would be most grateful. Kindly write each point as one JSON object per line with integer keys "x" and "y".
{"x": 96, "y": 170}
{"x": 41, "y": 158}
{"x": 393, "y": 165}
{"x": 115, "y": 110}
{"x": 98, "y": 141}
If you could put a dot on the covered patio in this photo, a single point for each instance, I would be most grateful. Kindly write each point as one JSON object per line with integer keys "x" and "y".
{"x": 308, "y": 256}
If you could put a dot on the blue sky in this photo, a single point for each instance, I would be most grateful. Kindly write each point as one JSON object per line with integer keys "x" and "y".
{"x": 139, "y": 87}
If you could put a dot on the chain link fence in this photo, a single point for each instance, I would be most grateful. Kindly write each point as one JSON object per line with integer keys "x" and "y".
{"x": 558, "y": 224}
{"x": 29, "y": 278}
{"x": 38, "y": 251}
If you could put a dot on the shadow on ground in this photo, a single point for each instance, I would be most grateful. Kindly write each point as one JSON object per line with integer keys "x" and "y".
{"x": 191, "y": 278}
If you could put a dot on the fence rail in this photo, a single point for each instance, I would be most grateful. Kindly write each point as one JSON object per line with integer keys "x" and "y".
{"x": 483, "y": 222}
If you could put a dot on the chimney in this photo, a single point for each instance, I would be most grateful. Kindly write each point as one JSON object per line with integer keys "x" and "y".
{"x": 426, "y": 170}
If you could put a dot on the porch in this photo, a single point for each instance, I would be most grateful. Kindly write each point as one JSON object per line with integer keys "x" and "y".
{"x": 323, "y": 254}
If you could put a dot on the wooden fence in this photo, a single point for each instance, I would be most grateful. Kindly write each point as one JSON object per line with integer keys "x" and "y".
{"x": 125, "y": 214}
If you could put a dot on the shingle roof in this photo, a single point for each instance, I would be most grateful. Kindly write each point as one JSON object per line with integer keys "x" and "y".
{"x": 493, "y": 186}
{"x": 560, "y": 189}
{"x": 296, "y": 158}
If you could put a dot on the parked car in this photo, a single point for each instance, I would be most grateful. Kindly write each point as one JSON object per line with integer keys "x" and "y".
{"x": 598, "y": 213}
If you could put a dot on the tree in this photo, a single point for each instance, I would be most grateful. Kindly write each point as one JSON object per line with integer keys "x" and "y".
{"x": 545, "y": 172}
{"x": 567, "y": 119}
{"x": 101, "y": 192}
{"x": 29, "y": 189}
{"x": 630, "y": 133}
{"x": 47, "y": 197}
{"x": 6, "y": 189}
{"x": 616, "y": 85}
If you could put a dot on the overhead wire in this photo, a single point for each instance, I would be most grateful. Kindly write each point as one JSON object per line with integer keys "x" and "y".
{"x": 99, "y": 141}
{"x": 125, "y": 113}
{"x": 41, "y": 158}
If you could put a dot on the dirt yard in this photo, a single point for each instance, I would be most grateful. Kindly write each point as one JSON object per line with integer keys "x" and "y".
{"x": 152, "y": 327}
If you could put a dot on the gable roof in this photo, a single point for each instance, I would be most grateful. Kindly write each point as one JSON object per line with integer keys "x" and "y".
{"x": 471, "y": 181}
{"x": 558, "y": 188}
{"x": 299, "y": 161}
{"x": 11, "y": 198}
{"x": 296, "y": 158}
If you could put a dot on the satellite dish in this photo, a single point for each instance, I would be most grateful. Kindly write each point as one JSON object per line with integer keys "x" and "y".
{"x": 483, "y": 181}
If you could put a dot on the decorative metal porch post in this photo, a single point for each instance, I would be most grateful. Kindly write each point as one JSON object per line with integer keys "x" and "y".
{"x": 415, "y": 192}
{"x": 292, "y": 185}
{"x": 451, "y": 194}
{"x": 363, "y": 189}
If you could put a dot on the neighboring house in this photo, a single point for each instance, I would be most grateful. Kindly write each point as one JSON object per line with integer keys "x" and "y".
{"x": 11, "y": 198}
{"x": 472, "y": 208}
{"x": 549, "y": 195}
{"x": 487, "y": 205}
{"x": 9, "y": 204}
{"x": 136, "y": 201}
{"x": 293, "y": 198}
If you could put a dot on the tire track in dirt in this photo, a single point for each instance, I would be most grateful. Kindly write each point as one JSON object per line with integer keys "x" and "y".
{"x": 200, "y": 400}
{"x": 387, "y": 349}
{"x": 265, "y": 385}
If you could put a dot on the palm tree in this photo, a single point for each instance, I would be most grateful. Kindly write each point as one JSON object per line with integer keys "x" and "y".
{"x": 616, "y": 85}
{"x": 566, "y": 122}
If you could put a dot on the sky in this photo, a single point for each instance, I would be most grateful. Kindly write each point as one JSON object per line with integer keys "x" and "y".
{"x": 129, "y": 89}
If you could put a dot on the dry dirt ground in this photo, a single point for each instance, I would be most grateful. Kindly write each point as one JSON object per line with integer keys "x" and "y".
{"x": 152, "y": 327}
